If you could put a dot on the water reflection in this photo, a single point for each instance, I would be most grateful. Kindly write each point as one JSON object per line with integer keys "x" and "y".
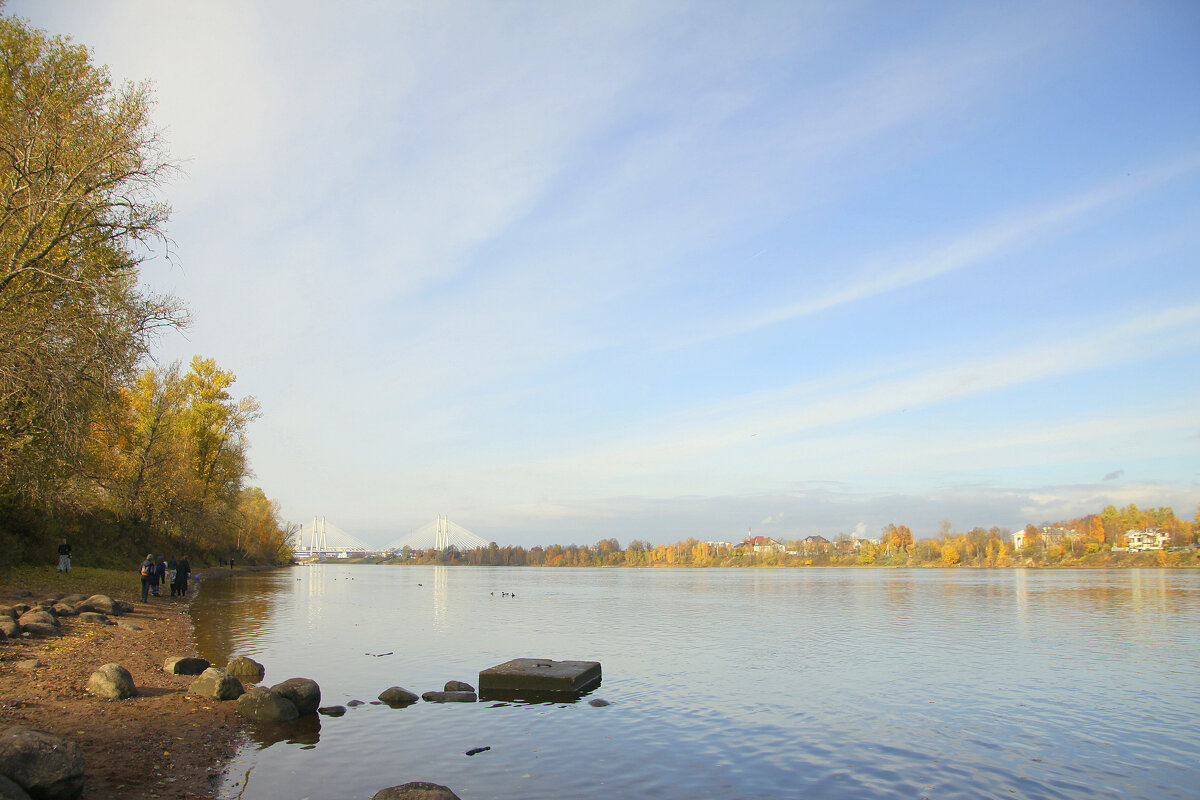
{"x": 304, "y": 730}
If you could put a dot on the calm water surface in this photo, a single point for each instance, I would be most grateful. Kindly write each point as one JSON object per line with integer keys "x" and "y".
{"x": 850, "y": 683}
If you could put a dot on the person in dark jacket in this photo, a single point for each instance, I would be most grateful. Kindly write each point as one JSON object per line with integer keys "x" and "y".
{"x": 64, "y": 557}
{"x": 171, "y": 565}
{"x": 160, "y": 573}
{"x": 182, "y": 570}
{"x": 148, "y": 575}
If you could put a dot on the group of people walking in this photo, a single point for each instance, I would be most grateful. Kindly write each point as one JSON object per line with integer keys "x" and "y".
{"x": 157, "y": 571}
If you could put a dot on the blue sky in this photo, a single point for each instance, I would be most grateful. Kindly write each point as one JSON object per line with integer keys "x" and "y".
{"x": 565, "y": 271}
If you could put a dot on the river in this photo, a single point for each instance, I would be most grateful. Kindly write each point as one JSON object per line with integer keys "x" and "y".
{"x": 755, "y": 683}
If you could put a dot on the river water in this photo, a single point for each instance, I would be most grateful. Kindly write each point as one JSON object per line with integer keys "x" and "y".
{"x": 756, "y": 683}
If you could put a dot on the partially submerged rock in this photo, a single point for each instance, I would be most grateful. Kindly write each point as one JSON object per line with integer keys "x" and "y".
{"x": 260, "y": 704}
{"x": 458, "y": 686}
{"x": 111, "y": 682}
{"x": 45, "y": 766}
{"x": 216, "y": 684}
{"x": 185, "y": 665}
{"x": 331, "y": 711}
{"x": 304, "y": 692}
{"x": 394, "y": 696}
{"x": 539, "y": 676}
{"x": 416, "y": 790}
{"x": 449, "y": 697}
{"x": 246, "y": 669}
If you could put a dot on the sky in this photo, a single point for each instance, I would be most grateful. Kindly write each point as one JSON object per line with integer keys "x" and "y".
{"x": 571, "y": 271}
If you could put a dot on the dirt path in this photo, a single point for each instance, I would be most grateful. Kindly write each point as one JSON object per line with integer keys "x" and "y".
{"x": 161, "y": 743}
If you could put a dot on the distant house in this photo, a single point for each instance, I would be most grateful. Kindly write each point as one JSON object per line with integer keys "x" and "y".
{"x": 815, "y": 544}
{"x": 762, "y": 544}
{"x": 1147, "y": 539}
{"x": 719, "y": 545}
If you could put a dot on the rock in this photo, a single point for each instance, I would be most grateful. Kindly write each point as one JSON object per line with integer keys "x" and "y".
{"x": 449, "y": 697}
{"x": 305, "y": 693}
{"x": 95, "y": 619}
{"x": 246, "y": 669}
{"x": 63, "y": 610}
{"x": 28, "y": 664}
{"x": 260, "y": 704}
{"x": 40, "y": 630}
{"x": 394, "y": 696}
{"x": 19, "y": 609}
{"x": 8, "y": 611}
{"x": 332, "y": 711}
{"x": 11, "y": 791}
{"x": 9, "y": 626}
{"x": 74, "y": 599}
{"x": 100, "y": 603}
{"x": 353, "y": 703}
{"x": 129, "y": 626}
{"x": 186, "y": 665}
{"x": 111, "y": 682}
{"x": 216, "y": 684}
{"x": 458, "y": 686}
{"x": 46, "y": 766}
{"x": 416, "y": 790}
{"x": 598, "y": 703}
{"x": 37, "y": 617}
{"x": 122, "y": 607}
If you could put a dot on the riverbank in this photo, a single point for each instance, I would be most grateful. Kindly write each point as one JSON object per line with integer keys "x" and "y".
{"x": 160, "y": 744}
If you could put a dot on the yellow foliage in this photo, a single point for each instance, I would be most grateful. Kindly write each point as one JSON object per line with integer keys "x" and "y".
{"x": 950, "y": 555}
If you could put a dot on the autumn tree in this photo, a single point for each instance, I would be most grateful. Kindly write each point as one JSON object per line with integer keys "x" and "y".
{"x": 80, "y": 165}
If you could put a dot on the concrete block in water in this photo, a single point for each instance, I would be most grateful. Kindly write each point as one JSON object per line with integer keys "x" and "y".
{"x": 538, "y": 676}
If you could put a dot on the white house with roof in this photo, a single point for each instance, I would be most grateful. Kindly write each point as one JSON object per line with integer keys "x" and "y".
{"x": 1147, "y": 539}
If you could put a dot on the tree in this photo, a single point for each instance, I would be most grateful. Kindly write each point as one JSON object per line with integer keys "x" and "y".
{"x": 80, "y": 163}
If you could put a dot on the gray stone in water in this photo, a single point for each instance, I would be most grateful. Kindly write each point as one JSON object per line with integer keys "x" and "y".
{"x": 95, "y": 619}
{"x": 394, "y": 696}
{"x": 215, "y": 684}
{"x": 11, "y": 791}
{"x": 458, "y": 686}
{"x": 332, "y": 711}
{"x": 416, "y": 790}
{"x": 45, "y": 766}
{"x": 186, "y": 665}
{"x": 246, "y": 669}
{"x": 304, "y": 692}
{"x": 263, "y": 705}
{"x": 540, "y": 676}
{"x": 353, "y": 703}
{"x": 598, "y": 703}
{"x": 449, "y": 697}
{"x": 111, "y": 682}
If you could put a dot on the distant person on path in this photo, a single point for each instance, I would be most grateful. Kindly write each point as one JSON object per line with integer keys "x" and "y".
{"x": 64, "y": 557}
{"x": 182, "y": 570}
{"x": 160, "y": 572}
{"x": 148, "y": 575}
{"x": 172, "y": 564}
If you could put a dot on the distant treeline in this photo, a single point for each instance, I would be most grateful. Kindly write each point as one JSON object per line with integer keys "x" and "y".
{"x": 120, "y": 458}
{"x": 1084, "y": 541}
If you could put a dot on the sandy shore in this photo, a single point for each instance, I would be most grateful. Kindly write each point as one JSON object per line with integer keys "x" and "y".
{"x": 161, "y": 743}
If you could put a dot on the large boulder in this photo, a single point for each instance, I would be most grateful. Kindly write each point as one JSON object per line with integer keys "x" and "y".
{"x": 40, "y": 630}
{"x": 186, "y": 665}
{"x": 37, "y": 617}
{"x": 394, "y": 696}
{"x": 304, "y": 692}
{"x": 8, "y": 611}
{"x": 122, "y": 607}
{"x": 260, "y": 704}
{"x": 246, "y": 669}
{"x": 73, "y": 599}
{"x": 63, "y": 610}
{"x": 216, "y": 684}
{"x": 111, "y": 682}
{"x": 416, "y": 790}
{"x": 11, "y": 791}
{"x": 100, "y": 603}
{"x": 9, "y": 626}
{"x": 46, "y": 766}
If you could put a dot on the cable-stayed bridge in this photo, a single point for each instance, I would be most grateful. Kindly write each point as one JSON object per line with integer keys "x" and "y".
{"x": 320, "y": 538}
{"x": 440, "y": 535}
